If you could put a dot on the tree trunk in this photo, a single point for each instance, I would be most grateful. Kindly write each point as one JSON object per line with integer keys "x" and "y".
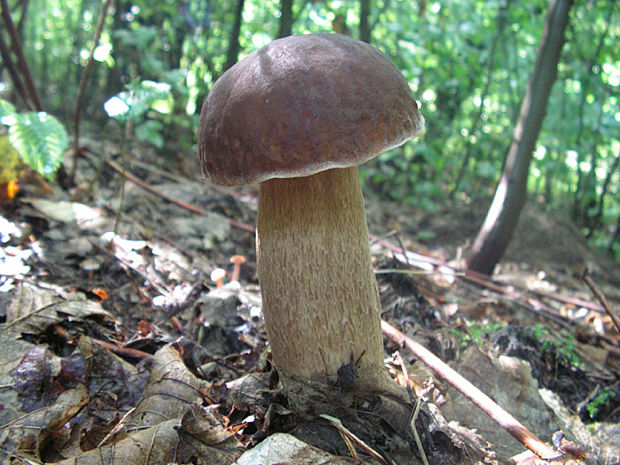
{"x": 286, "y": 18}
{"x": 364, "y": 24}
{"x": 232, "y": 55}
{"x": 503, "y": 214}
{"x": 601, "y": 200}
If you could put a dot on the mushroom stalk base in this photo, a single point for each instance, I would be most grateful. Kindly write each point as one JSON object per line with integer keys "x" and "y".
{"x": 320, "y": 298}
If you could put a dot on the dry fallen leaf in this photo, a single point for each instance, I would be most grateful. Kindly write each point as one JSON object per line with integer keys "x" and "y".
{"x": 27, "y": 434}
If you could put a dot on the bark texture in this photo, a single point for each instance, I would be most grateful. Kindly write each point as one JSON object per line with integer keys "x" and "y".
{"x": 232, "y": 55}
{"x": 365, "y": 31}
{"x": 286, "y": 18}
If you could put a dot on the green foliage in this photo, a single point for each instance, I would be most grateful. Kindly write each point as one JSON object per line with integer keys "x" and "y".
{"x": 151, "y": 131}
{"x": 467, "y": 62}
{"x": 604, "y": 398}
{"x": 134, "y": 104}
{"x": 540, "y": 331}
{"x": 475, "y": 333}
{"x": 38, "y": 137}
{"x": 142, "y": 41}
{"x": 564, "y": 347}
{"x": 10, "y": 165}
{"x": 6, "y": 108}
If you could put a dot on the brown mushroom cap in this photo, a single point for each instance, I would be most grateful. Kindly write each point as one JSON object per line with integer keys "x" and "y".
{"x": 301, "y": 105}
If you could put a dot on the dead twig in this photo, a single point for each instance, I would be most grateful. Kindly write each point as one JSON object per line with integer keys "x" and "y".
{"x": 117, "y": 349}
{"x": 147, "y": 187}
{"x": 467, "y": 275}
{"x": 32, "y": 313}
{"x": 585, "y": 277}
{"x": 119, "y": 426}
{"x": 349, "y": 438}
{"x": 120, "y": 350}
{"x": 483, "y": 280}
{"x": 484, "y": 402}
{"x": 416, "y": 410}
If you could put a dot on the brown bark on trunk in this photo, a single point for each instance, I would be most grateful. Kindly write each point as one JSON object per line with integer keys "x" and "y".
{"x": 511, "y": 191}
{"x": 232, "y": 55}
{"x": 286, "y": 18}
{"x": 365, "y": 31}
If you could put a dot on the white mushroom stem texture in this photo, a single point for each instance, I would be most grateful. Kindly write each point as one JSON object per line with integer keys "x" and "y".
{"x": 320, "y": 298}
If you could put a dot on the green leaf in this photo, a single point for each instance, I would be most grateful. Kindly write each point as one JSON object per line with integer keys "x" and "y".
{"x": 425, "y": 234}
{"x": 10, "y": 165}
{"x": 151, "y": 131}
{"x": 141, "y": 97}
{"x": 39, "y": 138}
{"x": 6, "y": 108}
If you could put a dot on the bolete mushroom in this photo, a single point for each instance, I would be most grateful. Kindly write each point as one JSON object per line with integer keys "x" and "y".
{"x": 298, "y": 116}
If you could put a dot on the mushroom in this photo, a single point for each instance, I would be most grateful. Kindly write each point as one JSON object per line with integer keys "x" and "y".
{"x": 217, "y": 276}
{"x": 298, "y": 116}
{"x": 237, "y": 261}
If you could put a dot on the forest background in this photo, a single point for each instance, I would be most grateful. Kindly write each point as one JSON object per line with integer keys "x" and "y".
{"x": 468, "y": 63}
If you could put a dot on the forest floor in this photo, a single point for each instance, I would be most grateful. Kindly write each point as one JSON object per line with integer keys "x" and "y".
{"x": 97, "y": 284}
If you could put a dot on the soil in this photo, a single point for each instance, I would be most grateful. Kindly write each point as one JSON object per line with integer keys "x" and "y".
{"x": 153, "y": 280}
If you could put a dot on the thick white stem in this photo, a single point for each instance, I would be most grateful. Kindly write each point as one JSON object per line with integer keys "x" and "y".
{"x": 320, "y": 298}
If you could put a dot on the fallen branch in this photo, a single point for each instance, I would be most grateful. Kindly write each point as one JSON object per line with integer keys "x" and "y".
{"x": 121, "y": 350}
{"x": 484, "y": 402}
{"x": 601, "y": 298}
{"x": 482, "y": 279}
{"x": 147, "y": 187}
{"x": 413, "y": 417}
{"x": 351, "y": 440}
